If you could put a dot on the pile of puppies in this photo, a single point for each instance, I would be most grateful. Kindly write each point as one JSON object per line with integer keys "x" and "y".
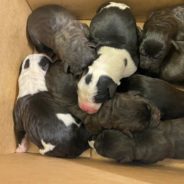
{"x": 82, "y": 86}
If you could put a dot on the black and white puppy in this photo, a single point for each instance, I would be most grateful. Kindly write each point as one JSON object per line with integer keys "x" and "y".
{"x": 148, "y": 146}
{"x": 125, "y": 112}
{"x": 53, "y": 28}
{"x": 159, "y": 31}
{"x": 173, "y": 69}
{"x": 114, "y": 31}
{"x": 39, "y": 118}
{"x": 168, "y": 99}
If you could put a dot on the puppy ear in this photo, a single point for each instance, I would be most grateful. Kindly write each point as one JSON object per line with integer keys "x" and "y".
{"x": 112, "y": 89}
{"x": 45, "y": 63}
{"x": 85, "y": 28}
{"x": 139, "y": 33}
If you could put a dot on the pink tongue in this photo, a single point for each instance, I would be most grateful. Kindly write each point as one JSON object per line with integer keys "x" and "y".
{"x": 87, "y": 108}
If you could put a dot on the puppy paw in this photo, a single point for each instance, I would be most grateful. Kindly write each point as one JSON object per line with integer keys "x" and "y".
{"x": 23, "y": 147}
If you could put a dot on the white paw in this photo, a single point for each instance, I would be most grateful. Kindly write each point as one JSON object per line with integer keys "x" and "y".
{"x": 23, "y": 147}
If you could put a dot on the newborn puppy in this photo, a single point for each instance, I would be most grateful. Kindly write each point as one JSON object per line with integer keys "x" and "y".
{"x": 173, "y": 70}
{"x": 38, "y": 117}
{"x": 52, "y": 27}
{"x": 114, "y": 31}
{"x": 125, "y": 112}
{"x": 168, "y": 99}
{"x": 149, "y": 146}
{"x": 159, "y": 31}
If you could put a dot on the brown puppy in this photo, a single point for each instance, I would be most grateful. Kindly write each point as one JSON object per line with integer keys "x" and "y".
{"x": 126, "y": 112}
{"x": 159, "y": 31}
{"x": 53, "y": 28}
{"x": 149, "y": 146}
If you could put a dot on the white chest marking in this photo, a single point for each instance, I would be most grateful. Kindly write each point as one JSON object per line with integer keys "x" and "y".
{"x": 46, "y": 147}
{"x": 67, "y": 119}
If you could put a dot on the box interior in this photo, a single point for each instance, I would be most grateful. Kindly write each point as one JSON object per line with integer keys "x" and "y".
{"x": 14, "y": 48}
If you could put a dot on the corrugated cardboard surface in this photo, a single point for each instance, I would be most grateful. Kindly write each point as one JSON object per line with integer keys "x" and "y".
{"x": 85, "y": 9}
{"x": 13, "y": 48}
{"x": 34, "y": 168}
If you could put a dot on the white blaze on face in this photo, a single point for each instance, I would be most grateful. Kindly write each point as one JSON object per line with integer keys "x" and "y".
{"x": 112, "y": 62}
{"x": 32, "y": 78}
{"x": 46, "y": 147}
{"x": 121, "y": 6}
{"x": 67, "y": 119}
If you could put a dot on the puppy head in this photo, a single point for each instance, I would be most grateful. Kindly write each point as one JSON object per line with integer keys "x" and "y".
{"x": 61, "y": 84}
{"x": 32, "y": 74}
{"x": 153, "y": 49}
{"x": 93, "y": 90}
{"x": 136, "y": 113}
{"x": 35, "y": 64}
{"x": 116, "y": 145}
{"x": 78, "y": 56}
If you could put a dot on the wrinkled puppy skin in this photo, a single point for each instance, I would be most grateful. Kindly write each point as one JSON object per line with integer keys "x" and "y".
{"x": 125, "y": 112}
{"x": 52, "y": 28}
{"x": 168, "y": 99}
{"x": 148, "y": 146}
{"x": 159, "y": 31}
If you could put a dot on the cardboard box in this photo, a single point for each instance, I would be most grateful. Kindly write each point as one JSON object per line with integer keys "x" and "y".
{"x": 33, "y": 168}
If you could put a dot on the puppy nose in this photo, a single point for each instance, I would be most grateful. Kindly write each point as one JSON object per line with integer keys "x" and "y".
{"x": 87, "y": 108}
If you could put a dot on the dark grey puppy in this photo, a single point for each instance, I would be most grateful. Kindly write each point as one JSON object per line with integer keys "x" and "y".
{"x": 114, "y": 30}
{"x": 53, "y": 28}
{"x": 173, "y": 69}
{"x": 159, "y": 31}
{"x": 126, "y": 112}
{"x": 168, "y": 99}
{"x": 38, "y": 117}
{"x": 149, "y": 146}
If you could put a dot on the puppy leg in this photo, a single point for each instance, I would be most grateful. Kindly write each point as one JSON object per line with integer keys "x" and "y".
{"x": 23, "y": 146}
{"x": 20, "y": 134}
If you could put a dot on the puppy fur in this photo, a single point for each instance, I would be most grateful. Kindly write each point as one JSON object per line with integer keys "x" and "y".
{"x": 53, "y": 28}
{"x": 114, "y": 31}
{"x": 168, "y": 99}
{"x": 148, "y": 146}
{"x": 38, "y": 117}
{"x": 159, "y": 31}
{"x": 126, "y": 112}
{"x": 173, "y": 69}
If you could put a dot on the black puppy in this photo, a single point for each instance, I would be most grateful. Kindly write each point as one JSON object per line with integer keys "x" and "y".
{"x": 127, "y": 113}
{"x": 114, "y": 31}
{"x": 38, "y": 117}
{"x": 149, "y": 146}
{"x": 168, "y": 99}
{"x": 53, "y": 28}
{"x": 159, "y": 31}
{"x": 173, "y": 69}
